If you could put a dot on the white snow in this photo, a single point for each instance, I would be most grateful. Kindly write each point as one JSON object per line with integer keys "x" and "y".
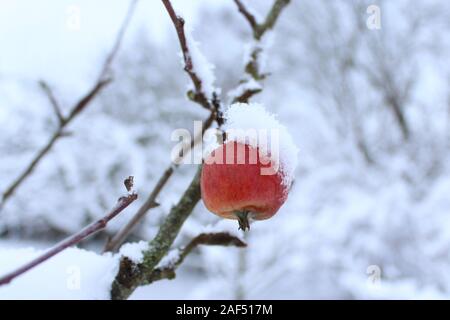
{"x": 202, "y": 67}
{"x": 241, "y": 117}
{"x": 260, "y": 47}
{"x": 247, "y": 85}
{"x": 72, "y": 274}
{"x": 134, "y": 251}
{"x": 400, "y": 289}
{"x": 170, "y": 259}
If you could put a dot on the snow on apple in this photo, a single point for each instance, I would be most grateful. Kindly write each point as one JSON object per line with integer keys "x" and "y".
{"x": 241, "y": 118}
{"x": 249, "y": 176}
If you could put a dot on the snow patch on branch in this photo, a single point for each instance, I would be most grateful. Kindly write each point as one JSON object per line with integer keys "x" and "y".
{"x": 259, "y": 47}
{"x": 248, "y": 85}
{"x": 169, "y": 260}
{"x": 201, "y": 66}
{"x": 134, "y": 251}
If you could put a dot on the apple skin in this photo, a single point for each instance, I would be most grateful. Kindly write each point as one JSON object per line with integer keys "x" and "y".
{"x": 240, "y": 191}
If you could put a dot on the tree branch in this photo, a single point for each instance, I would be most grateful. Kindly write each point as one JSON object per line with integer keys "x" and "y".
{"x": 122, "y": 203}
{"x": 115, "y": 242}
{"x": 250, "y": 17}
{"x": 130, "y": 277}
{"x": 252, "y": 68}
{"x": 209, "y": 239}
{"x": 52, "y": 100}
{"x": 117, "y": 43}
{"x": 198, "y": 95}
{"x": 271, "y": 17}
{"x": 75, "y": 110}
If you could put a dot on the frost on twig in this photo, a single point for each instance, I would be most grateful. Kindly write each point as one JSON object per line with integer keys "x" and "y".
{"x": 254, "y": 74}
{"x": 195, "y": 63}
{"x": 246, "y": 89}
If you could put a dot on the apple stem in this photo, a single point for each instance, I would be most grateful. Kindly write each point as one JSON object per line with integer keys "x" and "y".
{"x": 242, "y": 217}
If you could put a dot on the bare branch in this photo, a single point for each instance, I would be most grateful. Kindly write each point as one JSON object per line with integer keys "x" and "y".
{"x": 122, "y": 203}
{"x": 75, "y": 110}
{"x": 115, "y": 49}
{"x": 250, "y": 17}
{"x": 272, "y": 17}
{"x": 52, "y": 100}
{"x": 87, "y": 99}
{"x": 259, "y": 29}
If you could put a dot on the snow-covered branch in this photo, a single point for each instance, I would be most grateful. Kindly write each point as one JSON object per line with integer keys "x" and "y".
{"x": 202, "y": 87}
{"x": 130, "y": 277}
{"x": 100, "y": 224}
{"x": 130, "y": 274}
{"x": 251, "y": 84}
{"x": 166, "y": 269}
{"x": 115, "y": 242}
{"x": 202, "y": 90}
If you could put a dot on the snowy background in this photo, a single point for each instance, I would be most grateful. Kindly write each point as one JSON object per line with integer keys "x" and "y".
{"x": 369, "y": 213}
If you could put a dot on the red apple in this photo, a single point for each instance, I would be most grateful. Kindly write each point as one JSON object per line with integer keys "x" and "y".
{"x": 236, "y": 190}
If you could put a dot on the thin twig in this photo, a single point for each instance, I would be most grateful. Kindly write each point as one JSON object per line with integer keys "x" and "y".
{"x": 122, "y": 203}
{"x": 102, "y": 81}
{"x": 199, "y": 95}
{"x": 115, "y": 242}
{"x": 252, "y": 68}
{"x": 115, "y": 48}
{"x": 272, "y": 17}
{"x": 250, "y": 17}
{"x": 52, "y": 99}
